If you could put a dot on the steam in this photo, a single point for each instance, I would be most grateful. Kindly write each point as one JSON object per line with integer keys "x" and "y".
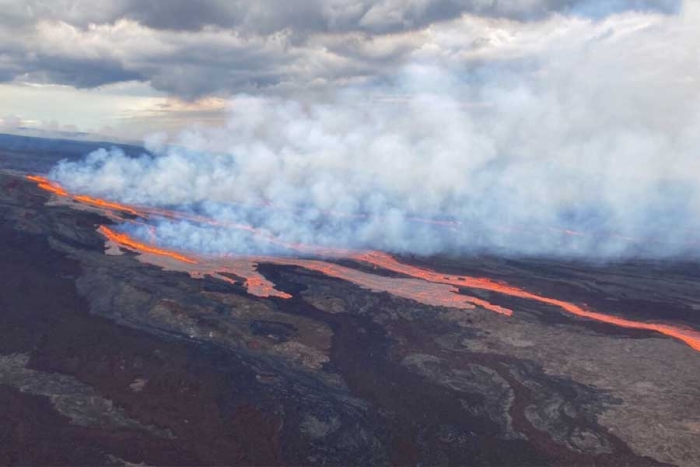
{"x": 587, "y": 146}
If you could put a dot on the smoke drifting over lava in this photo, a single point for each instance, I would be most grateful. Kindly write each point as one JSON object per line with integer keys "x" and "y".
{"x": 585, "y": 146}
{"x": 417, "y": 284}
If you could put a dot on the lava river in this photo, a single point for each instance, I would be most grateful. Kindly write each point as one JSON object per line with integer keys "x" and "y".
{"x": 419, "y": 284}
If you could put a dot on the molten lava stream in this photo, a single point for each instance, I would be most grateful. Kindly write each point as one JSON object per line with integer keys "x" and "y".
{"x": 429, "y": 293}
{"x": 107, "y": 205}
{"x": 53, "y": 187}
{"x": 385, "y": 261}
{"x": 125, "y": 240}
{"x": 245, "y": 267}
{"x": 47, "y": 185}
{"x": 426, "y": 292}
{"x": 256, "y": 282}
{"x": 146, "y": 212}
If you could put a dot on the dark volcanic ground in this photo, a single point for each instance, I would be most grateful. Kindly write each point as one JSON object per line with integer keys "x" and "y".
{"x": 107, "y": 360}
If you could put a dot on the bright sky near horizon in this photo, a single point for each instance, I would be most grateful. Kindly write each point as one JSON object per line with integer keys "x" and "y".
{"x": 125, "y": 68}
{"x": 350, "y": 105}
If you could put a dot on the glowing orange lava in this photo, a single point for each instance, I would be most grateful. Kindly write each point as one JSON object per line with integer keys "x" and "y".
{"x": 55, "y": 188}
{"x": 37, "y": 178}
{"x": 425, "y": 292}
{"x": 427, "y": 286}
{"x": 47, "y": 185}
{"x": 254, "y": 282}
{"x": 106, "y": 204}
{"x": 263, "y": 288}
{"x": 689, "y": 336}
{"x": 125, "y": 240}
{"x": 146, "y": 212}
{"x": 429, "y": 293}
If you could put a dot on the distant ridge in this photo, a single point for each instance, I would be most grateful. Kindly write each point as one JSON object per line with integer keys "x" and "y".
{"x": 39, "y": 154}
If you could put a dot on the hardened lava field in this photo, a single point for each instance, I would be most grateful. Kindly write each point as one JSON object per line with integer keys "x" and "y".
{"x": 115, "y": 352}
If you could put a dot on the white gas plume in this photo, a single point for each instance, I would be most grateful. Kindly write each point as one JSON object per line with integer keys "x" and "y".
{"x": 582, "y": 142}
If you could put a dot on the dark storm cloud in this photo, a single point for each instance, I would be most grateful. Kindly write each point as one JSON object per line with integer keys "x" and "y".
{"x": 303, "y": 16}
{"x": 195, "y": 47}
{"x": 80, "y": 73}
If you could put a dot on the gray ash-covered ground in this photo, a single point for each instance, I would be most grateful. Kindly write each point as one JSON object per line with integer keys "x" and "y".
{"x": 105, "y": 360}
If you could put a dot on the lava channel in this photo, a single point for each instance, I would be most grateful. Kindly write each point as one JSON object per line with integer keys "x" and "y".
{"x": 385, "y": 261}
{"x": 428, "y": 293}
{"x": 435, "y": 294}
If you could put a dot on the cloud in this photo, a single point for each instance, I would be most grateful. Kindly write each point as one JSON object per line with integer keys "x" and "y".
{"x": 10, "y": 122}
{"x": 581, "y": 143}
{"x": 192, "y": 48}
{"x": 310, "y": 16}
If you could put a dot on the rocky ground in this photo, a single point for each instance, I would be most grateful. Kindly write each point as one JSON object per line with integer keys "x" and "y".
{"x": 107, "y": 360}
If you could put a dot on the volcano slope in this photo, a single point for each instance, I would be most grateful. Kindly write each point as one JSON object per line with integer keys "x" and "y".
{"x": 109, "y": 357}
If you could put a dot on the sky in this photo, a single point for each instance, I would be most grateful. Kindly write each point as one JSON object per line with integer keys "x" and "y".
{"x": 538, "y": 127}
{"x": 129, "y": 68}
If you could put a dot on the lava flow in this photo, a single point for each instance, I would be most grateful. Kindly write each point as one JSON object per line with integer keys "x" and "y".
{"x": 52, "y": 187}
{"x": 421, "y": 285}
{"x": 426, "y": 292}
{"x": 107, "y": 205}
{"x": 385, "y": 261}
{"x": 110, "y": 207}
{"x": 125, "y": 240}
{"x": 47, "y": 185}
{"x": 429, "y": 293}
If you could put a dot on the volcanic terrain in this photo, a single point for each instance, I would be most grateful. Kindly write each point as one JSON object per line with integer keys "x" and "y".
{"x": 116, "y": 351}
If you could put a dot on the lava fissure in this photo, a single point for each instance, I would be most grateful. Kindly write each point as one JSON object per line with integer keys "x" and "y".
{"x": 421, "y": 285}
{"x": 125, "y": 240}
{"x": 385, "y": 261}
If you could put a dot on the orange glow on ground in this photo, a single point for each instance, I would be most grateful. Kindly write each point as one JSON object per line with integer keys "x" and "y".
{"x": 426, "y": 286}
{"x": 53, "y": 187}
{"x": 261, "y": 287}
{"x": 46, "y": 185}
{"x": 37, "y": 178}
{"x": 689, "y": 336}
{"x": 428, "y": 293}
{"x": 106, "y": 204}
{"x": 57, "y": 190}
{"x": 124, "y": 240}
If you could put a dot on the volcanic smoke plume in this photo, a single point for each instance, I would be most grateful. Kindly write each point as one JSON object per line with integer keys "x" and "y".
{"x": 421, "y": 285}
{"x": 584, "y": 146}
